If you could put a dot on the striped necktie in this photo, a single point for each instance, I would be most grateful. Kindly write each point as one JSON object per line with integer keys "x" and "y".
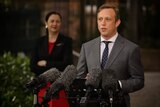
{"x": 105, "y": 54}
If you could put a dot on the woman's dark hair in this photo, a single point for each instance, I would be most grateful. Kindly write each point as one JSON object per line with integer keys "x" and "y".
{"x": 52, "y": 13}
{"x": 49, "y": 14}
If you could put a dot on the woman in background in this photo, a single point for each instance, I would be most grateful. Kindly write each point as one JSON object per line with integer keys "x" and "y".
{"x": 52, "y": 50}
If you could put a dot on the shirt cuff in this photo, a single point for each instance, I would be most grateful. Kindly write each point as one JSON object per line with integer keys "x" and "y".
{"x": 120, "y": 84}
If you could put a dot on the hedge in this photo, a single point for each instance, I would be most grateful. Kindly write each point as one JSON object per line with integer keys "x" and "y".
{"x": 14, "y": 74}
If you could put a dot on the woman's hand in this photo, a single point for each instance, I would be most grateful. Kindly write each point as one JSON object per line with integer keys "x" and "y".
{"x": 42, "y": 63}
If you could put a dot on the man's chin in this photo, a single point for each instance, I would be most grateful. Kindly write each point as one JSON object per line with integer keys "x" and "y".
{"x": 104, "y": 34}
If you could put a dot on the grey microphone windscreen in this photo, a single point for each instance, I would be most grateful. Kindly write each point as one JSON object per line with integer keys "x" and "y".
{"x": 50, "y": 75}
{"x": 94, "y": 77}
{"x": 64, "y": 81}
{"x": 68, "y": 75}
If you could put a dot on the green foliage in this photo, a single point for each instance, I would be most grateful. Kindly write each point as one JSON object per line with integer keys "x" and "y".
{"x": 14, "y": 74}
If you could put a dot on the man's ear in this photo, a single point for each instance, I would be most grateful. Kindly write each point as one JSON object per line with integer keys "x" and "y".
{"x": 118, "y": 22}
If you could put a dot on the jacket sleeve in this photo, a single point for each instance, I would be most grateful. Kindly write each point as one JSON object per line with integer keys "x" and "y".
{"x": 81, "y": 66}
{"x": 136, "y": 80}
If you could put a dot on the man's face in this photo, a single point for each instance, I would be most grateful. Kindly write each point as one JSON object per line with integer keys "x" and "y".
{"x": 107, "y": 23}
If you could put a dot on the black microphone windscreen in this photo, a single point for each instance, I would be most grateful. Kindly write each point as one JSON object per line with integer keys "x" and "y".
{"x": 94, "y": 77}
{"x": 107, "y": 77}
{"x": 92, "y": 81}
{"x": 33, "y": 84}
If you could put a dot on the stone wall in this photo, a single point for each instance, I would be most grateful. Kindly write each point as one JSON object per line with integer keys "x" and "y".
{"x": 149, "y": 96}
{"x": 151, "y": 59}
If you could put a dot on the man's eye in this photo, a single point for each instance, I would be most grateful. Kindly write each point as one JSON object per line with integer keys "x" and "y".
{"x": 100, "y": 19}
{"x": 108, "y": 19}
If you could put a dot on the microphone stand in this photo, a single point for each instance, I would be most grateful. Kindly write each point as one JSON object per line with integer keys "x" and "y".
{"x": 102, "y": 101}
{"x": 35, "y": 94}
{"x": 35, "y": 99}
{"x": 110, "y": 92}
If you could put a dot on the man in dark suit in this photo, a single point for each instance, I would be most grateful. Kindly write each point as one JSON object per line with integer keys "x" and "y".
{"x": 123, "y": 56}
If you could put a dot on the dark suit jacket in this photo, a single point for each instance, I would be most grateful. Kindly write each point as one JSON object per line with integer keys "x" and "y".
{"x": 124, "y": 59}
{"x": 60, "y": 56}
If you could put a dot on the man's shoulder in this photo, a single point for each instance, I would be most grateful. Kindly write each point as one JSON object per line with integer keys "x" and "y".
{"x": 93, "y": 41}
{"x": 127, "y": 41}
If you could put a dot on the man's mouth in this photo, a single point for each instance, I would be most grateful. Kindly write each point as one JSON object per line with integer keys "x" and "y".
{"x": 103, "y": 29}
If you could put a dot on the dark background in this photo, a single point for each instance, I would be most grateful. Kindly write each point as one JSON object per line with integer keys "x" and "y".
{"x": 22, "y": 22}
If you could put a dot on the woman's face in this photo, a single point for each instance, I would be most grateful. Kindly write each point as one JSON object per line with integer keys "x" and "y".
{"x": 54, "y": 23}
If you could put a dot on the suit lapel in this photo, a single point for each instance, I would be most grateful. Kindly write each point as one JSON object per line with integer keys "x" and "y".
{"x": 96, "y": 52}
{"x": 118, "y": 46}
{"x": 57, "y": 45}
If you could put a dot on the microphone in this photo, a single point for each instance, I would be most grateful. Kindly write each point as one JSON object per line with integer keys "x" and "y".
{"x": 63, "y": 82}
{"x": 92, "y": 81}
{"x": 109, "y": 83}
{"x": 48, "y": 76}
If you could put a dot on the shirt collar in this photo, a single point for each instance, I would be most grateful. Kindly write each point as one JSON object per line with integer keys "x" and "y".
{"x": 112, "y": 39}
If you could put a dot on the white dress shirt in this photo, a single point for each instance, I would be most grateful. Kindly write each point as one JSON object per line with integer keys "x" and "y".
{"x": 110, "y": 45}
